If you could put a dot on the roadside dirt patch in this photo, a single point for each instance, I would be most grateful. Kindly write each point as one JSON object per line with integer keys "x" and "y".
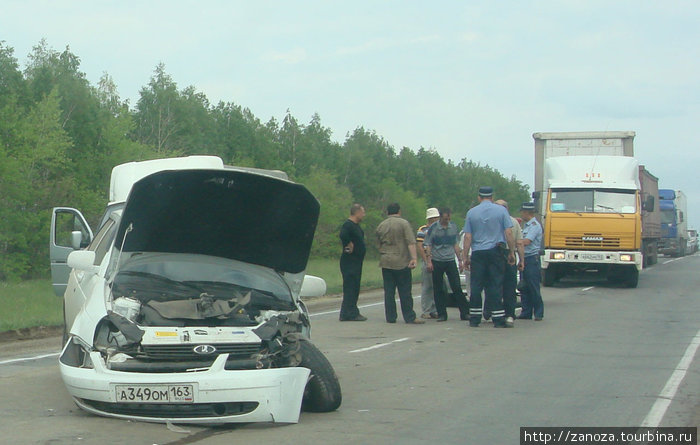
{"x": 31, "y": 333}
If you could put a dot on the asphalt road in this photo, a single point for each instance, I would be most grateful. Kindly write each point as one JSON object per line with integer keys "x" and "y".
{"x": 603, "y": 356}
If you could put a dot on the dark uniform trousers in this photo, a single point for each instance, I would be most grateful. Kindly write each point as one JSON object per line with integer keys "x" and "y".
{"x": 487, "y": 270}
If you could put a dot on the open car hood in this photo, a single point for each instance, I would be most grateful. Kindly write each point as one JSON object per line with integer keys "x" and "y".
{"x": 228, "y": 213}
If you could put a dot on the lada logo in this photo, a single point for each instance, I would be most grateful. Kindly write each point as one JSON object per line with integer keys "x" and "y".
{"x": 592, "y": 238}
{"x": 204, "y": 349}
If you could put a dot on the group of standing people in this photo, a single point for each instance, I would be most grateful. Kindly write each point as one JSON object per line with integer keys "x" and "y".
{"x": 491, "y": 245}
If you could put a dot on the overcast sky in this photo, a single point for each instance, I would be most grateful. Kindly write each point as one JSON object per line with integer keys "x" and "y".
{"x": 469, "y": 79}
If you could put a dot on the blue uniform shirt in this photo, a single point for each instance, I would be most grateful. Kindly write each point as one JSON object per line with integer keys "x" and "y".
{"x": 533, "y": 231}
{"x": 486, "y": 223}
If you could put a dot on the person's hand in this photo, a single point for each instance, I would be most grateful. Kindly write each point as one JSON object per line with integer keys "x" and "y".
{"x": 412, "y": 264}
{"x": 349, "y": 247}
{"x": 511, "y": 258}
{"x": 429, "y": 265}
{"x": 467, "y": 263}
{"x": 461, "y": 265}
{"x": 521, "y": 265}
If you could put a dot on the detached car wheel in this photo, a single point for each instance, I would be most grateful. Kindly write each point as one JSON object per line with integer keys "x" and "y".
{"x": 322, "y": 393}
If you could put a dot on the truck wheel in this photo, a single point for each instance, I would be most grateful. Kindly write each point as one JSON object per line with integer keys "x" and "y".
{"x": 632, "y": 278}
{"x": 550, "y": 275}
{"x": 322, "y": 393}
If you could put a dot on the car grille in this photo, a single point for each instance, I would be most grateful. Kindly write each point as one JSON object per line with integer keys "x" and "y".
{"x": 186, "y": 352}
{"x": 174, "y": 410}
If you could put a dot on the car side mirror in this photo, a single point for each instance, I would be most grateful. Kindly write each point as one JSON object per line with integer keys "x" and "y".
{"x": 83, "y": 260}
{"x": 313, "y": 287}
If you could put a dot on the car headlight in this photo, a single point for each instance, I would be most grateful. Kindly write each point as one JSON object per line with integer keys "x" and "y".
{"x": 626, "y": 257}
{"x": 557, "y": 256}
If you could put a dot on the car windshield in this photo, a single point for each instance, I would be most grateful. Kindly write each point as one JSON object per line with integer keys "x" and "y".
{"x": 167, "y": 278}
{"x": 668, "y": 216}
{"x": 593, "y": 201}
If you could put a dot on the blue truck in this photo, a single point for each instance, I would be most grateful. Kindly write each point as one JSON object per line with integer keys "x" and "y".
{"x": 674, "y": 225}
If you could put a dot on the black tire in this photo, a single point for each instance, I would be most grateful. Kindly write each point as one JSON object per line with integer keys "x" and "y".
{"x": 322, "y": 393}
{"x": 632, "y": 278}
{"x": 549, "y": 275}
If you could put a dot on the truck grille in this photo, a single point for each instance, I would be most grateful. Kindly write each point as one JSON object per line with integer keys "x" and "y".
{"x": 186, "y": 351}
{"x": 593, "y": 241}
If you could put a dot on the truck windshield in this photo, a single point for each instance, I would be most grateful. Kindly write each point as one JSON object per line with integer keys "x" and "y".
{"x": 593, "y": 201}
{"x": 668, "y": 216}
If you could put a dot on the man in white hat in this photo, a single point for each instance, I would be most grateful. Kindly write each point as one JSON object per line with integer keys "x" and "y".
{"x": 427, "y": 299}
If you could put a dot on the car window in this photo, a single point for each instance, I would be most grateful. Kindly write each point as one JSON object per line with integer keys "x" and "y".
{"x": 67, "y": 221}
{"x": 103, "y": 240}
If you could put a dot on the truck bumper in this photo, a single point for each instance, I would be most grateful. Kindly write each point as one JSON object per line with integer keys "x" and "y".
{"x": 668, "y": 246}
{"x": 583, "y": 257}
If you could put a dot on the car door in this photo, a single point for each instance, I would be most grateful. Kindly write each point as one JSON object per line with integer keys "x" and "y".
{"x": 83, "y": 284}
{"x": 66, "y": 224}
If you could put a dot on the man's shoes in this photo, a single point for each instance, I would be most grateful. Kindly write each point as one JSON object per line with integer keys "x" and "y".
{"x": 538, "y": 318}
{"x": 433, "y": 315}
{"x": 521, "y": 317}
{"x": 358, "y": 318}
{"x": 426, "y": 316}
{"x": 442, "y": 319}
{"x": 415, "y": 321}
{"x": 487, "y": 315}
{"x": 510, "y": 322}
{"x": 473, "y": 324}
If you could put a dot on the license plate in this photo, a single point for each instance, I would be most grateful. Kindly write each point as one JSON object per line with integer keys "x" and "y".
{"x": 592, "y": 256}
{"x": 154, "y": 393}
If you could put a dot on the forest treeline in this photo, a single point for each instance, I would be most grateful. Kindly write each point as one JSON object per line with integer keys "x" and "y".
{"x": 60, "y": 137}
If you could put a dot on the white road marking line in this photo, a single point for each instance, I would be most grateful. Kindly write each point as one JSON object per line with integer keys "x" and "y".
{"x": 663, "y": 401}
{"x": 26, "y": 359}
{"x": 587, "y": 288}
{"x": 670, "y": 261}
{"x": 380, "y": 345}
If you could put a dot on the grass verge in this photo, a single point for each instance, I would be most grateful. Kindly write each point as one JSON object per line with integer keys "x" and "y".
{"x": 31, "y": 304}
{"x": 329, "y": 270}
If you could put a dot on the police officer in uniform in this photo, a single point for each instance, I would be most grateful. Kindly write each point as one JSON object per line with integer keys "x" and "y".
{"x": 487, "y": 231}
{"x": 532, "y": 240}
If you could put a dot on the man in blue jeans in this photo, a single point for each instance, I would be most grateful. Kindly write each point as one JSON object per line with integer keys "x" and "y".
{"x": 487, "y": 231}
{"x": 532, "y": 240}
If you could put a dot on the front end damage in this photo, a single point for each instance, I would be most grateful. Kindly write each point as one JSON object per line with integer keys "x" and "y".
{"x": 200, "y": 360}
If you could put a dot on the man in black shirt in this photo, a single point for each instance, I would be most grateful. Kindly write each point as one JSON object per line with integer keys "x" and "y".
{"x": 353, "y": 240}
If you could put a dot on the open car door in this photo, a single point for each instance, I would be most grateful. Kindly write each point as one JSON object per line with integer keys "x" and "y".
{"x": 69, "y": 231}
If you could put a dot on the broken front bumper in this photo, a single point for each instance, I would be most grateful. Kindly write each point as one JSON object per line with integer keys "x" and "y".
{"x": 219, "y": 395}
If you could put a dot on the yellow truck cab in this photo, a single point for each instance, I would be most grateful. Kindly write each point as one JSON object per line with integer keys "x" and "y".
{"x": 591, "y": 206}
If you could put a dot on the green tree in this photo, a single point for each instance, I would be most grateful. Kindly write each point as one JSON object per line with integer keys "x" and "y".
{"x": 335, "y": 202}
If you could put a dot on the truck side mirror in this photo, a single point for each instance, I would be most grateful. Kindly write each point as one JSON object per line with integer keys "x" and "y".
{"x": 649, "y": 204}
{"x": 76, "y": 239}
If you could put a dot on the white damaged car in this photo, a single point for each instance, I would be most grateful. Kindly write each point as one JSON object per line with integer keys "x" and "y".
{"x": 185, "y": 304}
